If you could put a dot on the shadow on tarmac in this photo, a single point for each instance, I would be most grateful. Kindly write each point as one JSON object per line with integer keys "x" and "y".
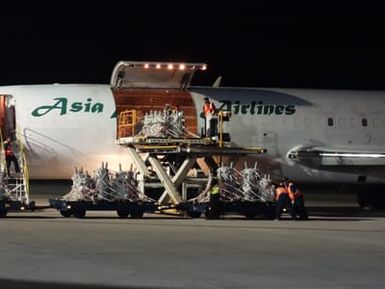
{"x": 321, "y": 213}
{"x": 160, "y": 217}
{"x": 16, "y": 284}
{"x": 11, "y": 216}
{"x": 344, "y": 211}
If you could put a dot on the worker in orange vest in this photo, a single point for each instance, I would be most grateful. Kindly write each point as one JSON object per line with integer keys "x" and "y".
{"x": 283, "y": 201}
{"x": 209, "y": 113}
{"x": 297, "y": 200}
{"x": 208, "y": 106}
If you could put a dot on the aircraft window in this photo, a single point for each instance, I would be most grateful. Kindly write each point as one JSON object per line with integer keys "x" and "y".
{"x": 364, "y": 122}
{"x": 330, "y": 121}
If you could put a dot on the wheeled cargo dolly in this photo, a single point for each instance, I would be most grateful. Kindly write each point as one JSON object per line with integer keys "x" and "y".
{"x": 251, "y": 210}
{"x": 15, "y": 206}
{"x": 123, "y": 209}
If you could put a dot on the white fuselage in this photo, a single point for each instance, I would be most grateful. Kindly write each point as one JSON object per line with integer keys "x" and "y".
{"x": 282, "y": 119}
{"x": 60, "y": 130}
{"x": 63, "y": 126}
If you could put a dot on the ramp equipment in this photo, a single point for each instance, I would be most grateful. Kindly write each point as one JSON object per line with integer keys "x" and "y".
{"x": 246, "y": 192}
{"x": 14, "y": 186}
{"x": 157, "y": 123}
{"x": 123, "y": 209}
{"x": 250, "y": 210}
{"x": 166, "y": 156}
{"x": 105, "y": 191}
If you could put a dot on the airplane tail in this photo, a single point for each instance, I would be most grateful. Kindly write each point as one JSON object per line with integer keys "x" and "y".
{"x": 217, "y": 82}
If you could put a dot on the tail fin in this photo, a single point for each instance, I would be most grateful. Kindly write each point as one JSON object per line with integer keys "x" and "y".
{"x": 217, "y": 82}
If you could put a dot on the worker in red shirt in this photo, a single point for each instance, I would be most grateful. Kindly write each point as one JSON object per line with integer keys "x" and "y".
{"x": 10, "y": 157}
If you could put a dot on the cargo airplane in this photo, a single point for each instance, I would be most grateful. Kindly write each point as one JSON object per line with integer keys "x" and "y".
{"x": 311, "y": 135}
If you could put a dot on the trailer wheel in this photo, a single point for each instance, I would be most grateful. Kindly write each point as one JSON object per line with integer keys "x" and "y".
{"x": 66, "y": 213}
{"x": 32, "y": 206}
{"x": 79, "y": 213}
{"x": 194, "y": 214}
{"x": 137, "y": 214}
{"x": 122, "y": 214}
{"x": 211, "y": 213}
{"x": 3, "y": 213}
{"x": 271, "y": 214}
{"x": 250, "y": 215}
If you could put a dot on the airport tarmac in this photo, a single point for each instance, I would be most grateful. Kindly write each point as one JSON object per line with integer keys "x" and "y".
{"x": 339, "y": 247}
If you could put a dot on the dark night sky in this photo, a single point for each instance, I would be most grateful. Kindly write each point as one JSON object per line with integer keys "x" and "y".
{"x": 249, "y": 44}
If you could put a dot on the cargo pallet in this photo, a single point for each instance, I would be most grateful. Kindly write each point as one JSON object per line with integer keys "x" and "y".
{"x": 251, "y": 210}
{"x": 123, "y": 209}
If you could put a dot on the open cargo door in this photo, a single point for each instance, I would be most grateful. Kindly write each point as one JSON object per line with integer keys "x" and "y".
{"x": 131, "y": 74}
{"x": 149, "y": 86}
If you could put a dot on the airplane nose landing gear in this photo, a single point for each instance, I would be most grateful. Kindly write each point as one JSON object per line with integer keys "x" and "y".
{"x": 371, "y": 197}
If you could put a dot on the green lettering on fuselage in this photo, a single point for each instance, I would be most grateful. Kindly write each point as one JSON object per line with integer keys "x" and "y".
{"x": 61, "y": 105}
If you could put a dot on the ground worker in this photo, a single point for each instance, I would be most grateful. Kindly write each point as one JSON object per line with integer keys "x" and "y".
{"x": 214, "y": 195}
{"x": 209, "y": 113}
{"x": 283, "y": 201}
{"x": 10, "y": 157}
{"x": 296, "y": 197}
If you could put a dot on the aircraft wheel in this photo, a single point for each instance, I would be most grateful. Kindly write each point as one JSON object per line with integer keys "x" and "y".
{"x": 371, "y": 197}
{"x": 363, "y": 198}
{"x": 378, "y": 198}
{"x": 66, "y": 213}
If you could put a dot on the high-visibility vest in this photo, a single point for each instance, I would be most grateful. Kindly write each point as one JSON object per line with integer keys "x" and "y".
{"x": 214, "y": 190}
{"x": 280, "y": 190}
{"x": 208, "y": 108}
{"x": 293, "y": 195}
{"x": 8, "y": 150}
